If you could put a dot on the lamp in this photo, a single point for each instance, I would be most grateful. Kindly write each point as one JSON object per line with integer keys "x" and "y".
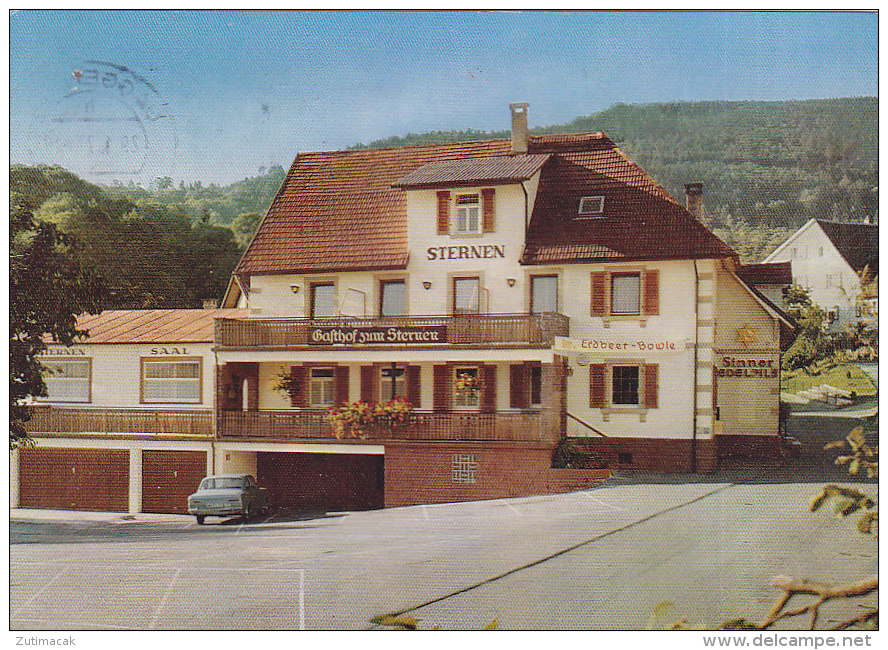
{"x": 510, "y": 282}
{"x": 294, "y": 288}
{"x": 426, "y": 285}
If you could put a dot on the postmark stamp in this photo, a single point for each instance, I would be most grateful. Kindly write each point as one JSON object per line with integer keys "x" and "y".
{"x": 112, "y": 125}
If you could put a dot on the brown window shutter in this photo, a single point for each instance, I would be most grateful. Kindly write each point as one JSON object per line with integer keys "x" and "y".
{"x": 599, "y": 304}
{"x": 488, "y": 209}
{"x": 299, "y": 399}
{"x": 488, "y": 393}
{"x": 517, "y": 386}
{"x": 414, "y": 392}
{"x": 441, "y": 388}
{"x": 444, "y": 213}
{"x": 367, "y": 383}
{"x": 651, "y": 385}
{"x": 652, "y": 292}
{"x": 596, "y": 386}
{"x": 341, "y": 379}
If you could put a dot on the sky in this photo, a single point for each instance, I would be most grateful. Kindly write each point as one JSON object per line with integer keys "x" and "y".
{"x": 218, "y": 96}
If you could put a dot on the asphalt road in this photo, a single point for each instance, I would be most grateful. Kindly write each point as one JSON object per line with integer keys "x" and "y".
{"x": 598, "y": 559}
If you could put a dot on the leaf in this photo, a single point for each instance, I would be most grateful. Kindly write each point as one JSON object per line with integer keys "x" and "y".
{"x": 854, "y": 466}
{"x": 855, "y": 438}
{"x": 819, "y": 500}
{"x": 402, "y": 622}
{"x": 835, "y": 444}
{"x": 493, "y": 625}
{"x": 840, "y": 507}
{"x": 865, "y": 525}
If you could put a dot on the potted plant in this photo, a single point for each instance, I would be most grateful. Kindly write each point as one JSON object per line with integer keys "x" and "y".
{"x": 469, "y": 385}
{"x": 358, "y": 419}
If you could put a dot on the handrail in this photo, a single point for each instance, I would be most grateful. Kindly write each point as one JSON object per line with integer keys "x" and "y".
{"x": 586, "y": 424}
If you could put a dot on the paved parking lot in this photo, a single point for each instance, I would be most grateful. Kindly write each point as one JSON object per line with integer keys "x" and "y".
{"x": 597, "y": 559}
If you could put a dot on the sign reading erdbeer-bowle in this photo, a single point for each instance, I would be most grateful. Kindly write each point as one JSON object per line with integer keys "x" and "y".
{"x": 377, "y": 335}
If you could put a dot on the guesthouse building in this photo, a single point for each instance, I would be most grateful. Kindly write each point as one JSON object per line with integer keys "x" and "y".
{"x": 519, "y": 294}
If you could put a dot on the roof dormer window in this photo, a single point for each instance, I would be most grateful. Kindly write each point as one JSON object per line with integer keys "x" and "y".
{"x": 468, "y": 214}
{"x": 591, "y": 207}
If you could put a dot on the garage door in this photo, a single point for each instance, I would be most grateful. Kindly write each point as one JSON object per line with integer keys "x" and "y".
{"x": 168, "y": 477}
{"x": 322, "y": 482}
{"x": 74, "y": 479}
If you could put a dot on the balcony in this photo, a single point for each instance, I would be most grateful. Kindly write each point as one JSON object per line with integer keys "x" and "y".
{"x": 51, "y": 419}
{"x": 509, "y": 330}
{"x": 311, "y": 424}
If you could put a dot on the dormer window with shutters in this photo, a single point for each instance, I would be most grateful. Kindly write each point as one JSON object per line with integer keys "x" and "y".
{"x": 467, "y": 213}
{"x": 625, "y": 294}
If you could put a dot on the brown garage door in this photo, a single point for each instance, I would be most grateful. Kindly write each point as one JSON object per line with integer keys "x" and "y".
{"x": 322, "y": 482}
{"x": 168, "y": 477}
{"x": 74, "y": 479}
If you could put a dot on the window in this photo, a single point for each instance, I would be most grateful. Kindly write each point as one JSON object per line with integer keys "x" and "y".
{"x": 321, "y": 388}
{"x": 591, "y": 206}
{"x": 543, "y": 293}
{"x": 536, "y": 385}
{"x": 625, "y": 385}
{"x": 171, "y": 381}
{"x": 625, "y": 293}
{"x": 468, "y": 213}
{"x": 67, "y": 380}
{"x": 466, "y": 399}
{"x": 466, "y": 295}
{"x": 463, "y": 468}
{"x": 392, "y": 298}
{"x": 385, "y": 383}
{"x": 323, "y": 300}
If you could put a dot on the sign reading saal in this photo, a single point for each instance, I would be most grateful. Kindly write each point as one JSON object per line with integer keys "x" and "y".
{"x": 377, "y": 335}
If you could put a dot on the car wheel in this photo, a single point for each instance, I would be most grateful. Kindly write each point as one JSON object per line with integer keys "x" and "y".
{"x": 200, "y": 520}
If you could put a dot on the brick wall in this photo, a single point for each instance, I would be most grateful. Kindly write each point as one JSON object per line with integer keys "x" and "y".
{"x": 760, "y": 447}
{"x": 424, "y": 472}
{"x": 653, "y": 454}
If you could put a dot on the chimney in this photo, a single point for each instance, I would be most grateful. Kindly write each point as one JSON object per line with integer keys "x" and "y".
{"x": 520, "y": 136}
{"x": 694, "y": 199}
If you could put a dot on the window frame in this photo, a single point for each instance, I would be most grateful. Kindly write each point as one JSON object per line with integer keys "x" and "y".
{"x": 455, "y": 214}
{"x": 478, "y": 278}
{"x": 641, "y": 408}
{"x": 312, "y": 286}
{"x": 146, "y": 361}
{"x": 533, "y": 277}
{"x": 591, "y": 214}
{"x": 471, "y": 408}
{"x": 380, "y": 295}
{"x": 613, "y": 385}
{"x": 56, "y": 359}
{"x": 329, "y": 382}
{"x": 464, "y": 469}
{"x": 639, "y": 276}
{"x": 385, "y": 383}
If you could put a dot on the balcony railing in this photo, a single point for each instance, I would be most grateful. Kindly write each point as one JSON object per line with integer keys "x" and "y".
{"x": 311, "y": 424}
{"x": 538, "y": 330}
{"x": 50, "y": 419}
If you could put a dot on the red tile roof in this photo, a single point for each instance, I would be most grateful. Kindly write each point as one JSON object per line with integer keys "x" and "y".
{"x": 339, "y": 211}
{"x": 766, "y": 273}
{"x": 640, "y": 220}
{"x": 474, "y": 171}
{"x": 153, "y": 325}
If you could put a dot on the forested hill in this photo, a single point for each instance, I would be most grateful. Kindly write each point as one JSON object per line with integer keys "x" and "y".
{"x": 767, "y": 167}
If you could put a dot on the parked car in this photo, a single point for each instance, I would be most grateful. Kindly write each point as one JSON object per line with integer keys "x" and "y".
{"x": 225, "y": 495}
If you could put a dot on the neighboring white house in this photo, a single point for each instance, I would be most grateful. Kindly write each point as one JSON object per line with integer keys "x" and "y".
{"x": 828, "y": 258}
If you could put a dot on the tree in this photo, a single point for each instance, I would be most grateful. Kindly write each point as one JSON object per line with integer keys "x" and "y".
{"x": 811, "y": 344}
{"x": 49, "y": 287}
{"x": 244, "y": 225}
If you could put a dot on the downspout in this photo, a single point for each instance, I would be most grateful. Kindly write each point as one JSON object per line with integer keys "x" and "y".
{"x": 216, "y": 407}
{"x": 696, "y": 359}
{"x": 526, "y": 200}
